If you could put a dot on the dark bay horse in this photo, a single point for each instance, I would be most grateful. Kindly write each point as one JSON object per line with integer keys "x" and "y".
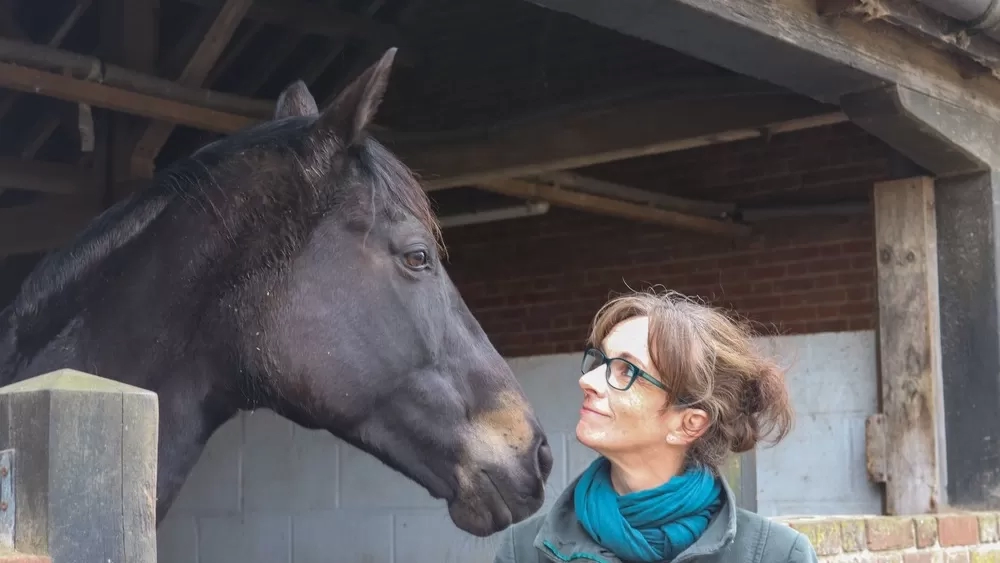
{"x": 295, "y": 265}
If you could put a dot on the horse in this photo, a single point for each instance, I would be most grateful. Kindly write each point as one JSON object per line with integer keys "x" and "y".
{"x": 295, "y": 265}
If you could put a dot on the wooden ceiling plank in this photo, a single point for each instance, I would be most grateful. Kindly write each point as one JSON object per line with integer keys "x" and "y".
{"x": 320, "y": 18}
{"x": 371, "y": 53}
{"x": 636, "y": 129}
{"x": 316, "y": 66}
{"x": 265, "y": 67}
{"x": 614, "y": 207}
{"x": 205, "y": 56}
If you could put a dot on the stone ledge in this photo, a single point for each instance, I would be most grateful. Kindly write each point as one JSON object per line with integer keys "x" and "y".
{"x": 953, "y": 537}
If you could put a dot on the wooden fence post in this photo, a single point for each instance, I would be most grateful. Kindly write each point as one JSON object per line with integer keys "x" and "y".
{"x": 78, "y": 469}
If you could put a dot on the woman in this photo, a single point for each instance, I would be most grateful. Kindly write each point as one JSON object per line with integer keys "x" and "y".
{"x": 670, "y": 387}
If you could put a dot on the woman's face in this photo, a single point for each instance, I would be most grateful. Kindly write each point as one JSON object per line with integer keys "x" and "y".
{"x": 614, "y": 421}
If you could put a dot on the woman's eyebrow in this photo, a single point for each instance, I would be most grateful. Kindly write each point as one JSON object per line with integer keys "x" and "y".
{"x": 628, "y": 356}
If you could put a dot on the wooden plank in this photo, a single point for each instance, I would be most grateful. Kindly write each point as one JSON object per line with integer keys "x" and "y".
{"x": 74, "y": 454}
{"x": 617, "y": 208}
{"x": 33, "y": 81}
{"x": 320, "y": 18}
{"x": 909, "y": 344}
{"x": 205, "y": 56}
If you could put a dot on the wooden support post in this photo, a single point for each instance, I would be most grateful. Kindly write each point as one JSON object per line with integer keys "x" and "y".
{"x": 909, "y": 345}
{"x": 82, "y": 453}
{"x": 958, "y": 144}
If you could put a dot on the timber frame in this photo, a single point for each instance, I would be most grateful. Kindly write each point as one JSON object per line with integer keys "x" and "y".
{"x": 901, "y": 73}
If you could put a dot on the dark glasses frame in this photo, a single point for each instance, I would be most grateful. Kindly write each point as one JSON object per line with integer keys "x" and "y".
{"x": 633, "y": 370}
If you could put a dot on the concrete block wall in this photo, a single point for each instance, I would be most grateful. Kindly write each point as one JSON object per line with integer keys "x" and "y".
{"x": 266, "y": 490}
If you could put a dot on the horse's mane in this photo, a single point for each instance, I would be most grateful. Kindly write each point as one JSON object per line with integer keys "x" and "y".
{"x": 281, "y": 215}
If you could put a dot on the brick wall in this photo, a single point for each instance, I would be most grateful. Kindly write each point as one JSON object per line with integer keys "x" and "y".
{"x": 535, "y": 283}
{"x": 536, "y": 290}
{"x": 951, "y": 538}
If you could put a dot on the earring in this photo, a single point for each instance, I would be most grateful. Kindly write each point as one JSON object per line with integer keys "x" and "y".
{"x": 671, "y": 438}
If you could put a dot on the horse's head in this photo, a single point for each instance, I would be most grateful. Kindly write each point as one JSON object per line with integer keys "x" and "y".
{"x": 360, "y": 330}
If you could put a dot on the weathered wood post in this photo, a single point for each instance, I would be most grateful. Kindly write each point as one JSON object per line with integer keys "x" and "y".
{"x": 78, "y": 469}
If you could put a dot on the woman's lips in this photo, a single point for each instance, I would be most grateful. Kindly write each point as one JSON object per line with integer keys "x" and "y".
{"x": 589, "y": 410}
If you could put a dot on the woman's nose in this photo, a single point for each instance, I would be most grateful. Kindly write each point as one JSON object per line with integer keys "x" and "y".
{"x": 593, "y": 380}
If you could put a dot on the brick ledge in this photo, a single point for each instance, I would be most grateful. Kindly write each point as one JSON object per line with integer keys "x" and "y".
{"x": 955, "y": 537}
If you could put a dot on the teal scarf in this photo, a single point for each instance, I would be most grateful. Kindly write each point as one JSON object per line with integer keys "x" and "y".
{"x": 652, "y": 525}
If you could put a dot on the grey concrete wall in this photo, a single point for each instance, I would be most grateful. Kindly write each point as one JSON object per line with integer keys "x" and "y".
{"x": 268, "y": 491}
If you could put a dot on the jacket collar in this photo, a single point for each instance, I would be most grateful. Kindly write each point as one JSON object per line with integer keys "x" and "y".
{"x": 562, "y": 539}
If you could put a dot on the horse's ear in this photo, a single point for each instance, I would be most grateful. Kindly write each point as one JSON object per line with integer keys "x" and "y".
{"x": 354, "y": 108}
{"x": 295, "y": 100}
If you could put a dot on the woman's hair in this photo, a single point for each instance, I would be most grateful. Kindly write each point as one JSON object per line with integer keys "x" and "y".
{"x": 708, "y": 361}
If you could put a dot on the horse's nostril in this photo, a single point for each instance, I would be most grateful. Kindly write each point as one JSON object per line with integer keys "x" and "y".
{"x": 544, "y": 456}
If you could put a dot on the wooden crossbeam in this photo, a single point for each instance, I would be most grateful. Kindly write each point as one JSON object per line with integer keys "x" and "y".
{"x": 628, "y": 193}
{"x": 614, "y": 207}
{"x": 70, "y": 89}
{"x": 205, "y": 56}
{"x": 635, "y": 129}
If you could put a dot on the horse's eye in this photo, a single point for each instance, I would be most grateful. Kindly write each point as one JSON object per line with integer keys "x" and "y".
{"x": 416, "y": 259}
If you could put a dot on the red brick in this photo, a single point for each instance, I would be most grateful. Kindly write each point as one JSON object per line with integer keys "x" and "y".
{"x": 921, "y": 557}
{"x": 927, "y": 532}
{"x": 958, "y": 530}
{"x": 890, "y": 533}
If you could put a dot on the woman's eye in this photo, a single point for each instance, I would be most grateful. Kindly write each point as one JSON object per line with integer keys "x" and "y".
{"x": 416, "y": 259}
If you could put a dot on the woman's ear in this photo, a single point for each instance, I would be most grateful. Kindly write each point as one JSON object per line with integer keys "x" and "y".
{"x": 687, "y": 425}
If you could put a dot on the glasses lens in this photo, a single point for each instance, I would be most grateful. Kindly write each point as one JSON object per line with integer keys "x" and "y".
{"x": 621, "y": 374}
{"x": 591, "y": 359}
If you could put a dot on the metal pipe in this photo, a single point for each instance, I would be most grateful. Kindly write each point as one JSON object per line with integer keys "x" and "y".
{"x": 977, "y": 15}
{"x": 529, "y": 209}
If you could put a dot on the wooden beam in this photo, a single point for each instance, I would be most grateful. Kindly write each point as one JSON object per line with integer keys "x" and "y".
{"x": 909, "y": 336}
{"x": 45, "y": 177}
{"x": 43, "y": 226}
{"x": 205, "y": 56}
{"x": 613, "y": 190}
{"x": 794, "y": 46}
{"x": 640, "y": 128}
{"x": 84, "y": 67}
{"x": 10, "y": 98}
{"x": 99, "y": 95}
{"x": 617, "y": 208}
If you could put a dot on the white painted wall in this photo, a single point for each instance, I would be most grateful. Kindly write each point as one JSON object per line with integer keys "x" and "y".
{"x": 299, "y": 496}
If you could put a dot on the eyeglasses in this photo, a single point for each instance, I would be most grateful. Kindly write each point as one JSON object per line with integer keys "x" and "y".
{"x": 619, "y": 372}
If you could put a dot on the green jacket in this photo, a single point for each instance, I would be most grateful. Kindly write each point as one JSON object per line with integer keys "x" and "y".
{"x": 733, "y": 536}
